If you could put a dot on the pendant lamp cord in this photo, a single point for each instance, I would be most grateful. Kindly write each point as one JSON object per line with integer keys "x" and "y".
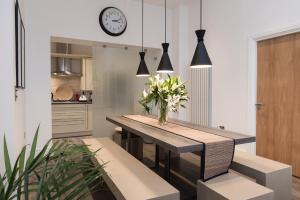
{"x": 200, "y": 14}
{"x": 165, "y": 21}
{"x": 142, "y": 25}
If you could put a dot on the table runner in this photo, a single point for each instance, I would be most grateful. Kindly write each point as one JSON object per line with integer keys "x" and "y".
{"x": 217, "y": 152}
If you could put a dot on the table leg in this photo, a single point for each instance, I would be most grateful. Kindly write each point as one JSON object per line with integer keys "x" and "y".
{"x": 128, "y": 142}
{"x": 202, "y": 164}
{"x": 140, "y": 149}
{"x": 124, "y": 139}
{"x": 156, "y": 156}
{"x": 167, "y": 165}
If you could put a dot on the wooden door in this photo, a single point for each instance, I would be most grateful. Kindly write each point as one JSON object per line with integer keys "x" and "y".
{"x": 278, "y": 98}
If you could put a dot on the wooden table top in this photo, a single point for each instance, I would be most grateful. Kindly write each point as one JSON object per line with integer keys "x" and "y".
{"x": 163, "y": 138}
{"x": 174, "y": 142}
{"x": 239, "y": 138}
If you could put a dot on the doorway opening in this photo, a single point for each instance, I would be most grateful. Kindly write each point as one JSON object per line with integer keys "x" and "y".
{"x": 92, "y": 80}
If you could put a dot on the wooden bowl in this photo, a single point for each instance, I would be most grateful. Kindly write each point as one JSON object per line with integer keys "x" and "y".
{"x": 64, "y": 93}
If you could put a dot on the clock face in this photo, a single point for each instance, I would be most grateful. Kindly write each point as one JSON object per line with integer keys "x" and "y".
{"x": 112, "y": 21}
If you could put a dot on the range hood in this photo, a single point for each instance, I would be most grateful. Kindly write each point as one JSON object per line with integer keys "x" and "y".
{"x": 63, "y": 66}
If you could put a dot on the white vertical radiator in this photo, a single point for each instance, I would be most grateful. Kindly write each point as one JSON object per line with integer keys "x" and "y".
{"x": 201, "y": 96}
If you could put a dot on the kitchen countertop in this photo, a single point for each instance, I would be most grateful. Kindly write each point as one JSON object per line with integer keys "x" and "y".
{"x": 71, "y": 102}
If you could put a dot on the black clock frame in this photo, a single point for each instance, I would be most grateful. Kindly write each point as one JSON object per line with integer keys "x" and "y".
{"x": 103, "y": 27}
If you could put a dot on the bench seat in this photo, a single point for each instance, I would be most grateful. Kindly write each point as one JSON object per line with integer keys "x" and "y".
{"x": 271, "y": 174}
{"x": 127, "y": 177}
{"x": 232, "y": 186}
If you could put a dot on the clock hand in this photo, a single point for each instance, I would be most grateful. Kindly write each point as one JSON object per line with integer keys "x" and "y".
{"x": 116, "y": 20}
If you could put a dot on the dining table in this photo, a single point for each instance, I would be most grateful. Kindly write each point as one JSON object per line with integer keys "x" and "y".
{"x": 215, "y": 146}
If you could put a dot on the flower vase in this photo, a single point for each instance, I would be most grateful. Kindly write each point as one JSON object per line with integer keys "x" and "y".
{"x": 163, "y": 113}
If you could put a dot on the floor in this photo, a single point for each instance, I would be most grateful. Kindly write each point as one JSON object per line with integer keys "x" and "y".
{"x": 296, "y": 188}
{"x": 185, "y": 172}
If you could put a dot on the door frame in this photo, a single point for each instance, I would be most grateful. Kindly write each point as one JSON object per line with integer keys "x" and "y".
{"x": 252, "y": 71}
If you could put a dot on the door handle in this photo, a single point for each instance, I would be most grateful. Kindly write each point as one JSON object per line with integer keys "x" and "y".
{"x": 259, "y": 105}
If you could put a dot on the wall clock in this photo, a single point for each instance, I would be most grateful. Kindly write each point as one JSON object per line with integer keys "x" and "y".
{"x": 113, "y": 21}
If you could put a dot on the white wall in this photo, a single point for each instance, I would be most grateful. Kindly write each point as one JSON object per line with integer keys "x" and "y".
{"x": 10, "y": 121}
{"x": 75, "y": 19}
{"x": 181, "y": 58}
{"x": 230, "y": 26}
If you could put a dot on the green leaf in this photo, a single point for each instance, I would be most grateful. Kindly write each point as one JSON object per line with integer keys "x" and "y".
{"x": 1, "y": 186}
{"x": 12, "y": 180}
{"x": 14, "y": 196}
{"x": 40, "y": 188}
{"x": 52, "y": 169}
{"x": 21, "y": 170}
{"x": 69, "y": 187}
{"x": 30, "y": 166}
{"x": 7, "y": 160}
{"x": 55, "y": 184}
{"x": 33, "y": 146}
{"x": 39, "y": 158}
{"x": 37, "y": 175}
{"x": 26, "y": 184}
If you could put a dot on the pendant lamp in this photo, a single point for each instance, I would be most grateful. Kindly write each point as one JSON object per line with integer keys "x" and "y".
{"x": 165, "y": 65}
{"x": 143, "y": 69}
{"x": 201, "y": 58}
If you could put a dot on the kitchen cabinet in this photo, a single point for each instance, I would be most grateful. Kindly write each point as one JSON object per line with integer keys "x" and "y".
{"x": 72, "y": 118}
{"x": 90, "y": 117}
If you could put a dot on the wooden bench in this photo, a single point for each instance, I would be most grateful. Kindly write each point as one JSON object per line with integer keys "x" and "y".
{"x": 269, "y": 173}
{"x": 127, "y": 177}
{"x": 232, "y": 186}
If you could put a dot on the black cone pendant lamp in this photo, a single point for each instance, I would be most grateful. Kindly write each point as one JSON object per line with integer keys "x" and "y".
{"x": 165, "y": 65}
{"x": 143, "y": 69}
{"x": 201, "y": 58}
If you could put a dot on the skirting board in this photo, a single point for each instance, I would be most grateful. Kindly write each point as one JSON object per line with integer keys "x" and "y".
{"x": 76, "y": 134}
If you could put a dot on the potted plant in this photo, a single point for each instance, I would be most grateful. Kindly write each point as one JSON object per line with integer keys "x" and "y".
{"x": 61, "y": 170}
{"x": 167, "y": 95}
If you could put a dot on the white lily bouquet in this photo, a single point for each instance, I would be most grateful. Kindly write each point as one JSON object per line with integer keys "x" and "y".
{"x": 167, "y": 95}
